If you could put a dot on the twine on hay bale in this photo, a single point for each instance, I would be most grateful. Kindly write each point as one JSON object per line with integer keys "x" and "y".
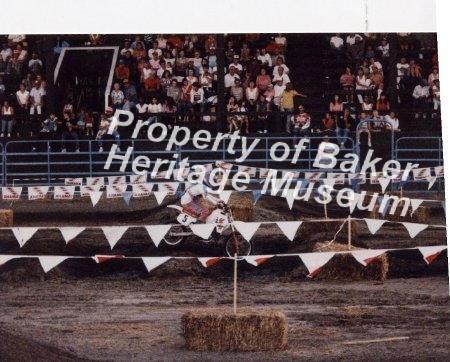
{"x": 222, "y": 330}
{"x": 311, "y": 229}
{"x": 345, "y": 266}
{"x": 421, "y": 215}
{"x": 6, "y": 217}
{"x": 242, "y": 207}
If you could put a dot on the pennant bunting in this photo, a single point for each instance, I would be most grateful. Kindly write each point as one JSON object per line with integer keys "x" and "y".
{"x": 11, "y": 193}
{"x": 338, "y": 177}
{"x": 70, "y": 233}
{"x": 37, "y": 192}
{"x": 157, "y": 232}
{"x": 23, "y": 234}
{"x": 95, "y": 197}
{"x": 251, "y": 171}
{"x": 85, "y": 191}
{"x": 256, "y": 195}
{"x": 115, "y": 191}
{"x": 295, "y": 175}
{"x": 357, "y": 179}
{"x": 439, "y": 171}
{"x": 247, "y": 229}
{"x": 5, "y": 258}
{"x": 117, "y": 180}
{"x": 202, "y": 230}
{"x": 263, "y": 173}
{"x": 290, "y": 198}
{"x": 414, "y": 229}
{"x": 431, "y": 180}
{"x": 169, "y": 187}
{"x": 160, "y": 196}
{"x": 384, "y": 182}
{"x": 365, "y": 257}
{"x": 224, "y": 165}
{"x": 289, "y": 228}
{"x": 315, "y": 261}
{"x": 257, "y": 260}
{"x": 64, "y": 192}
{"x": 160, "y": 175}
{"x": 225, "y": 195}
{"x": 114, "y": 233}
{"x": 102, "y": 258}
{"x": 415, "y": 203}
{"x": 138, "y": 179}
{"x": 421, "y": 173}
{"x": 207, "y": 262}
{"x": 430, "y": 253}
{"x": 142, "y": 190}
{"x": 127, "y": 197}
{"x": 374, "y": 225}
{"x": 313, "y": 176}
{"x": 329, "y": 182}
{"x": 154, "y": 262}
{"x": 78, "y": 181}
{"x": 48, "y": 262}
{"x": 95, "y": 181}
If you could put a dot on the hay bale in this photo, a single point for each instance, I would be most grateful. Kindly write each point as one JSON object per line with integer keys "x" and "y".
{"x": 421, "y": 215}
{"x": 6, "y": 217}
{"x": 241, "y": 204}
{"x": 345, "y": 266}
{"x": 311, "y": 229}
{"x": 222, "y": 330}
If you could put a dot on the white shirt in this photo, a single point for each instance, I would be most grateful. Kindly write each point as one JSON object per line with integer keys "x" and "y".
{"x": 229, "y": 79}
{"x": 421, "y": 92}
{"x": 351, "y": 40}
{"x": 337, "y": 41}
{"x": 5, "y": 53}
{"x": 265, "y": 59}
{"x": 284, "y": 77}
{"x": 23, "y": 97}
{"x": 141, "y": 108}
{"x": 37, "y": 94}
{"x": 197, "y": 190}
{"x": 275, "y": 69}
{"x": 154, "y": 108}
{"x": 362, "y": 82}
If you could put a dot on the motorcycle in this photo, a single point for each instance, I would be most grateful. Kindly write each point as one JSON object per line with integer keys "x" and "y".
{"x": 223, "y": 233}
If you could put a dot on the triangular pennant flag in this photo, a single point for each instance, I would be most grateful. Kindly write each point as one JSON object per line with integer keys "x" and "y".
{"x": 431, "y": 180}
{"x": 374, "y": 225}
{"x": 225, "y": 195}
{"x": 95, "y": 197}
{"x": 169, "y": 187}
{"x": 157, "y": 232}
{"x": 48, "y": 262}
{"x": 63, "y": 192}
{"x": 207, "y": 262}
{"x": 257, "y": 259}
{"x": 202, "y": 230}
{"x": 114, "y": 233}
{"x": 414, "y": 229}
{"x": 160, "y": 196}
{"x": 5, "y": 258}
{"x": 247, "y": 229}
{"x": 430, "y": 253}
{"x": 365, "y": 257}
{"x": 315, "y": 261}
{"x": 256, "y": 195}
{"x": 102, "y": 258}
{"x": 421, "y": 173}
{"x": 383, "y": 208}
{"x": 95, "y": 181}
{"x": 443, "y": 205}
{"x": 354, "y": 202}
{"x": 127, "y": 197}
{"x": 384, "y": 182}
{"x": 404, "y": 181}
{"x": 290, "y": 198}
{"x": 329, "y": 182}
{"x": 37, "y": 192}
{"x": 70, "y": 233}
{"x": 439, "y": 171}
{"x": 78, "y": 181}
{"x": 154, "y": 262}
{"x": 23, "y": 234}
{"x": 289, "y": 228}
{"x": 11, "y": 193}
{"x": 138, "y": 179}
{"x": 415, "y": 203}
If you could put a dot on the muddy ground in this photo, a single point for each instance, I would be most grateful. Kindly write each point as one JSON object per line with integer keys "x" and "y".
{"x": 116, "y": 311}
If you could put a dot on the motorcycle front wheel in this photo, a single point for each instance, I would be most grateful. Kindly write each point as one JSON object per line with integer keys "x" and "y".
{"x": 245, "y": 247}
{"x": 171, "y": 238}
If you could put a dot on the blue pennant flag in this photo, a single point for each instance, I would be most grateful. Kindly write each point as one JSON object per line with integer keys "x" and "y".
{"x": 256, "y": 196}
{"x": 127, "y": 197}
{"x": 386, "y": 206}
{"x": 443, "y": 205}
{"x": 402, "y": 182}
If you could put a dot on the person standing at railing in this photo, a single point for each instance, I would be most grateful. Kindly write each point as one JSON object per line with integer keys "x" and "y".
{"x": 23, "y": 102}
{"x": 7, "y": 113}
{"x": 262, "y": 107}
{"x": 69, "y": 131}
{"x": 301, "y": 124}
{"x": 287, "y": 103}
{"x": 36, "y": 104}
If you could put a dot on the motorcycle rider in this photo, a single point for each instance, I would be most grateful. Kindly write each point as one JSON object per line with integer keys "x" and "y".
{"x": 196, "y": 200}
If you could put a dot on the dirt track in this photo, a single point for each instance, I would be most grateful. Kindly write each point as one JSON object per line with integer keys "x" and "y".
{"x": 116, "y": 311}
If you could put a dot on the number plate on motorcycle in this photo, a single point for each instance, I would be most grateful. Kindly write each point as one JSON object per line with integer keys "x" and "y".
{"x": 185, "y": 219}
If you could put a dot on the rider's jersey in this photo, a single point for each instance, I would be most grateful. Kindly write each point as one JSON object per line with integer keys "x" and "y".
{"x": 194, "y": 192}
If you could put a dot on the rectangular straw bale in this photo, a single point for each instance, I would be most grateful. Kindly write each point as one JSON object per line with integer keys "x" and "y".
{"x": 6, "y": 217}
{"x": 421, "y": 215}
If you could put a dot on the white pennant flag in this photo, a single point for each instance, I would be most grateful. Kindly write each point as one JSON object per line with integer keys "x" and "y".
{"x": 225, "y": 195}
{"x": 431, "y": 252}
{"x": 159, "y": 175}
{"x": 117, "y": 180}
{"x": 157, "y": 232}
{"x": 431, "y": 180}
{"x": 95, "y": 181}
{"x": 202, "y": 230}
{"x": 247, "y": 229}
{"x": 384, "y": 182}
{"x": 115, "y": 191}
{"x": 5, "y": 258}
{"x": 339, "y": 178}
{"x": 374, "y": 225}
{"x": 11, "y": 193}
{"x": 224, "y": 165}
{"x": 289, "y": 228}
{"x": 142, "y": 190}
{"x": 154, "y": 262}
{"x": 329, "y": 181}
{"x": 315, "y": 261}
{"x": 114, "y": 233}
{"x": 414, "y": 229}
{"x": 365, "y": 257}
{"x": 85, "y": 191}
{"x": 138, "y": 179}
{"x": 73, "y": 181}
{"x": 169, "y": 187}
{"x": 250, "y": 171}
{"x": 421, "y": 173}
{"x": 415, "y": 203}
{"x": 70, "y": 233}
{"x": 256, "y": 260}
{"x": 37, "y": 192}
{"x": 208, "y": 167}
{"x": 313, "y": 176}
{"x": 290, "y": 198}
{"x": 160, "y": 196}
{"x": 95, "y": 197}
{"x": 64, "y": 192}
{"x": 439, "y": 171}
{"x": 263, "y": 173}
{"x": 48, "y": 262}
{"x": 23, "y": 234}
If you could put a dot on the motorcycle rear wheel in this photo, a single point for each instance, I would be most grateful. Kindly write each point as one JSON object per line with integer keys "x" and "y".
{"x": 245, "y": 247}
{"x": 173, "y": 240}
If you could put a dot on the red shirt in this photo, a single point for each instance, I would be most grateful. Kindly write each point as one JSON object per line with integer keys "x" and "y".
{"x": 152, "y": 84}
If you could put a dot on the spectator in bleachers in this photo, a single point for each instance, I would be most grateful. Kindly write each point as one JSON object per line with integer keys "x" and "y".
{"x": 196, "y": 62}
{"x": 210, "y": 42}
{"x": 206, "y": 81}
{"x": 102, "y": 129}
{"x": 197, "y": 98}
{"x": 181, "y": 64}
{"x": 242, "y": 119}
{"x": 237, "y": 91}
{"x": 130, "y": 95}
{"x": 23, "y": 104}
{"x": 155, "y": 50}
{"x": 162, "y": 41}
{"x": 281, "y": 75}
{"x": 279, "y": 63}
{"x": 236, "y": 65}
{"x": 369, "y": 53}
{"x": 14, "y": 39}
{"x": 232, "y": 107}
{"x": 28, "y": 82}
{"x": 169, "y": 106}
{"x": 245, "y": 53}
{"x": 377, "y": 81}
{"x": 433, "y": 76}
{"x": 264, "y": 57}
{"x": 185, "y": 102}
{"x": 36, "y": 104}
{"x": 141, "y": 109}
{"x": 336, "y": 105}
{"x": 383, "y": 48}
{"x": 174, "y": 92}
{"x": 351, "y": 39}
{"x": 68, "y": 106}
{"x": 367, "y": 104}
{"x": 337, "y": 45}
{"x": 402, "y": 71}
{"x": 152, "y": 86}
{"x": 347, "y": 81}
{"x": 117, "y": 97}
{"x": 139, "y": 51}
{"x": 382, "y": 104}
{"x": 89, "y": 123}
{"x": 211, "y": 57}
{"x": 129, "y": 61}
{"x": 69, "y": 131}
{"x": 362, "y": 83}
{"x": 269, "y": 94}
{"x": 287, "y": 103}
{"x": 301, "y": 124}
{"x": 392, "y": 117}
{"x": 7, "y": 114}
{"x": 278, "y": 88}
{"x": 137, "y": 40}
{"x": 328, "y": 123}
{"x": 81, "y": 123}
{"x": 191, "y": 78}
{"x": 281, "y": 40}
{"x": 155, "y": 62}
{"x": 263, "y": 80}
{"x": 415, "y": 72}
{"x": 169, "y": 57}
{"x": 5, "y": 59}
{"x": 47, "y": 131}
{"x": 343, "y": 127}
{"x": 126, "y": 48}
{"x": 262, "y": 109}
{"x": 421, "y": 97}
{"x": 355, "y": 51}
{"x": 188, "y": 45}
{"x": 19, "y": 58}
{"x": 436, "y": 97}
{"x": 122, "y": 71}
{"x": 154, "y": 107}
{"x": 35, "y": 65}
{"x": 375, "y": 64}
{"x": 364, "y": 127}
{"x": 378, "y": 123}
{"x": 165, "y": 77}
{"x": 230, "y": 77}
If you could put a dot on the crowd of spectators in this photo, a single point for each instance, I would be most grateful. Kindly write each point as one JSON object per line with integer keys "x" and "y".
{"x": 174, "y": 79}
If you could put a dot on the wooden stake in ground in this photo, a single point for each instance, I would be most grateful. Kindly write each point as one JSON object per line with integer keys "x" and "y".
{"x": 349, "y": 221}
{"x": 235, "y": 284}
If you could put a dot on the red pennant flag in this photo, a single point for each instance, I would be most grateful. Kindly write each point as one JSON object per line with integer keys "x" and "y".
{"x": 207, "y": 262}
{"x": 102, "y": 258}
